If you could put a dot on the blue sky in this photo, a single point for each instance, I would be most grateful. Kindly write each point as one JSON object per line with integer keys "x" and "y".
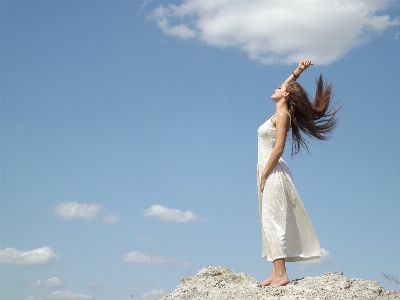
{"x": 129, "y": 140}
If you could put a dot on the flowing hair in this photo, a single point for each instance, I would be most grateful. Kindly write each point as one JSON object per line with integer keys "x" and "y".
{"x": 315, "y": 119}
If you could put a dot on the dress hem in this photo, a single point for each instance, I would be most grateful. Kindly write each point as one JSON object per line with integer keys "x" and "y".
{"x": 294, "y": 258}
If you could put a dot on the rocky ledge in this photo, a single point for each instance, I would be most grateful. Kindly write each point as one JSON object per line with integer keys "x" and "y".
{"x": 221, "y": 283}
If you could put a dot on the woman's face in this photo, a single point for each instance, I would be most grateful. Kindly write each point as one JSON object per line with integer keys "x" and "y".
{"x": 279, "y": 93}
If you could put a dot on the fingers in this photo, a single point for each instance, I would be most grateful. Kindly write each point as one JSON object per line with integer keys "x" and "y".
{"x": 306, "y": 63}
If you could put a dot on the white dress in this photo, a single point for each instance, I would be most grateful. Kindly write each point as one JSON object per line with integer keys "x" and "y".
{"x": 287, "y": 231}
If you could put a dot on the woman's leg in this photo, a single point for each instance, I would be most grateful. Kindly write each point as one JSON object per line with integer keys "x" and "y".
{"x": 268, "y": 281}
{"x": 280, "y": 275}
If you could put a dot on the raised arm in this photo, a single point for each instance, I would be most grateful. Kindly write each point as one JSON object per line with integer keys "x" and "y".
{"x": 303, "y": 65}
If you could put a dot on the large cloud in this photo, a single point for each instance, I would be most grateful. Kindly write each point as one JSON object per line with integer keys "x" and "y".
{"x": 67, "y": 295}
{"x": 166, "y": 214}
{"x": 73, "y": 210}
{"x": 31, "y": 258}
{"x": 278, "y": 31}
{"x": 51, "y": 282}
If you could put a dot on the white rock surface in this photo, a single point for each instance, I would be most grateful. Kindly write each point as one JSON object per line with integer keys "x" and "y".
{"x": 221, "y": 283}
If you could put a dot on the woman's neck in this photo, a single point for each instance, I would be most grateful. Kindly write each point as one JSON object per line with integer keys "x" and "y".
{"x": 281, "y": 105}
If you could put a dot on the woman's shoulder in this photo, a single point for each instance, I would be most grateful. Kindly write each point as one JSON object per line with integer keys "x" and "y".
{"x": 281, "y": 112}
{"x": 282, "y": 118}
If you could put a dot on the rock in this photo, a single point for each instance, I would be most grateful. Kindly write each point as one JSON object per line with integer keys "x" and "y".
{"x": 218, "y": 283}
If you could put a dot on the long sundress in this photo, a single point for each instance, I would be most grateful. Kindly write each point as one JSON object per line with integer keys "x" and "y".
{"x": 287, "y": 231}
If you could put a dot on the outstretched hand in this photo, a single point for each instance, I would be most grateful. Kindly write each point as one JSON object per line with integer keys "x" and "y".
{"x": 304, "y": 64}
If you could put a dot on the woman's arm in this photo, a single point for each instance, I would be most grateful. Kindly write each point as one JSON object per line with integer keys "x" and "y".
{"x": 304, "y": 64}
{"x": 282, "y": 127}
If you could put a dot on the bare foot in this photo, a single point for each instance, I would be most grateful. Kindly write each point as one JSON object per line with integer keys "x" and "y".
{"x": 280, "y": 281}
{"x": 266, "y": 282}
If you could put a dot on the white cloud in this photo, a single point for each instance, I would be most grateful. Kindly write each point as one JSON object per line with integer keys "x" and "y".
{"x": 278, "y": 31}
{"x": 67, "y": 295}
{"x": 29, "y": 298}
{"x": 110, "y": 219}
{"x": 166, "y": 214}
{"x": 73, "y": 210}
{"x": 51, "y": 282}
{"x": 153, "y": 295}
{"x": 147, "y": 240}
{"x": 325, "y": 260}
{"x": 140, "y": 258}
{"x": 37, "y": 257}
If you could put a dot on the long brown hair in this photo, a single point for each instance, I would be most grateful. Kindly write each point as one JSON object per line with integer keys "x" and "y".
{"x": 315, "y": 119}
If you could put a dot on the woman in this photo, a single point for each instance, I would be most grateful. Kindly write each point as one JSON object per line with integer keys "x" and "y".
{"x": 288, "y": 234}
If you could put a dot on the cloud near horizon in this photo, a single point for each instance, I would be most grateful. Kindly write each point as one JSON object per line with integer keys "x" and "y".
{"x": 38, "y": 257}
{"x": 51, "y": 282}
{"x": 165, "y": 214}
{"x": 153, "y": 295}
{"x": 278, "y": 31}
{"x": 325, "y": 260}
{"x": 67, "y": 295}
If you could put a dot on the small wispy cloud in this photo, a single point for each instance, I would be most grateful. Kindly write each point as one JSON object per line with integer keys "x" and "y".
{"x": 31, "y": 258}
{"x": 153, "y": 295}
{"x": 73, "y": 210}
{"x": 165, "y": 214}
{"x": 182, "y": 31}
{"x": 325, "y": 260}
{"x": 397, "y": 35}
{"x": 51, "y": 282}
{"x": 136, "y": 257}
{"x": 146, "y": 2}
{"x": 147, "y": 240}
{"x": 110, "y": 219}
{"x": 30, "y": 298}
{"x": 140, "y": 258}
{"x": 95, "y": 286}
{"x": 137, "y": 283}
{"x": 67, "y": 295}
